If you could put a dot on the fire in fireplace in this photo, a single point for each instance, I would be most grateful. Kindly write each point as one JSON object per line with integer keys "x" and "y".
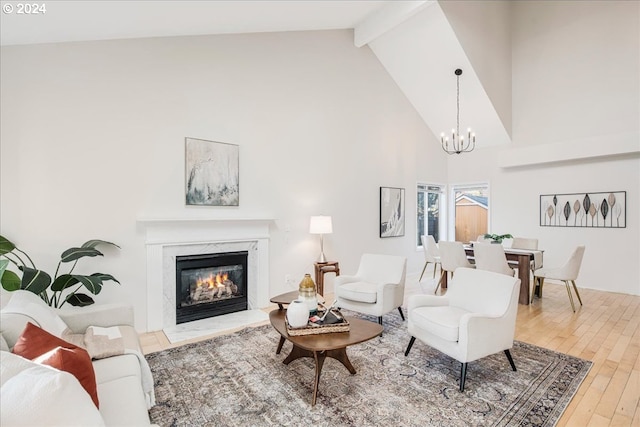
{"x": 210, "y": 285}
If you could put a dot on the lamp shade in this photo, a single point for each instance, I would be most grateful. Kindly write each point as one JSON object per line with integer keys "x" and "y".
{"x": 320, "y": 225}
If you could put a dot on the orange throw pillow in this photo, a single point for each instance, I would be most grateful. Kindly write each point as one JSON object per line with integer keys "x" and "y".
{"x": 40, "y": 346}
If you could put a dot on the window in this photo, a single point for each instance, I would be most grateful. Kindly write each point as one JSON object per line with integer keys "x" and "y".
{"x": 471, "y": 211}
{"x": 430, "y": 203}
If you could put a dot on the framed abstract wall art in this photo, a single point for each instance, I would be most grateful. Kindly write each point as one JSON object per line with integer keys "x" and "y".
{"x": 600, "y": 209}
{"x": 391, "y": 212}
{"x": 212, "y": 173}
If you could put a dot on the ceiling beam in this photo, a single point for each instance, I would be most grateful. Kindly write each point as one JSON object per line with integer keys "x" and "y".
{"x": 385, "y": 19}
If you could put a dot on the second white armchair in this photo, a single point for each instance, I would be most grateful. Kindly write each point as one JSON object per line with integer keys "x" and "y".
{"x": 476, "y": 318}
{"x": 377, "y": 287}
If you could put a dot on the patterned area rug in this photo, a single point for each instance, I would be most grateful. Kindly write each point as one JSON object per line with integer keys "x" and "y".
{"x": 238, "y": 380}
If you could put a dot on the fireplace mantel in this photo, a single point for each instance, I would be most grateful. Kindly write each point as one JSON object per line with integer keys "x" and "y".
{"x": 190, "y": 230}
{"x": 167, "y": 237}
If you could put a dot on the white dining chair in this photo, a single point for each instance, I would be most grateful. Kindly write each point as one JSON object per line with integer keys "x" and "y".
{"x": 567, "y": 273}
{"x": 452, "y": 256}
{"x": 491, "y": 257}
{"x": 431, "y": 254}
{"x": 530, "y": 244}
{"x": 524, "y": 243}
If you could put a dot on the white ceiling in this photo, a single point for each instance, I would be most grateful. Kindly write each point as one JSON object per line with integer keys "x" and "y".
{"x": 402, "y": 34}
{"x": 66, "y": 21}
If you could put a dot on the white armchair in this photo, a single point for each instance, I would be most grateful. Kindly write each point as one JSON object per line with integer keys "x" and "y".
{"x": 476, "y": 318}
{"x": 377, "y": 287}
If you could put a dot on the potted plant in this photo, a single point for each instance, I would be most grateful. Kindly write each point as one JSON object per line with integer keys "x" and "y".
{"x": 64, "y": 287}
{"x": 498, "y": 238}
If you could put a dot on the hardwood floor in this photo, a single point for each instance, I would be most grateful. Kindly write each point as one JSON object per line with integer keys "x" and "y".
{"x": 605, "y": 330}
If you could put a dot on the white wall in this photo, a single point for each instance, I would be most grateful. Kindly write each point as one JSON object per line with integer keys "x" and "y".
{"x": 575, "y": 70}
{"x": 575, "y": 81}
{"x": 92, "y": 138}
{"x": 484, "y": 30}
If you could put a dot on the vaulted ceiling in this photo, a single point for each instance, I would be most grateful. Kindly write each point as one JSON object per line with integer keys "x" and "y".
{"x": 420, "y": 43}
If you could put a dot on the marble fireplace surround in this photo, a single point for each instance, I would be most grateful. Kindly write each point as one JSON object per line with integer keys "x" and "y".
{"x": 168, "y": 238}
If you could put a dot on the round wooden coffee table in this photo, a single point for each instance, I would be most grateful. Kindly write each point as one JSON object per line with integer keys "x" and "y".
{"x": 321, "y": 346}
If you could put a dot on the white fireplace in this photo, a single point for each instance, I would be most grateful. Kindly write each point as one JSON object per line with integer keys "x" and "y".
{"x": 168, "y": 238}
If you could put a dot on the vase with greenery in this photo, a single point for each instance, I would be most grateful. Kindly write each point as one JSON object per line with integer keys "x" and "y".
{"x": 497, "y": 238}
{"x": 63, "y": 287}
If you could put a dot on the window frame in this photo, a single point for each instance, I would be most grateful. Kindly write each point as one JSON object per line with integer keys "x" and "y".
{"x": 453, "y": 189}
{"x": 422, "y": 186}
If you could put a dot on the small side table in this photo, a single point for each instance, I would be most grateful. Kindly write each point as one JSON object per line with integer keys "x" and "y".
{"x": 321, "y": 268}
{"x": 286, "y": 298}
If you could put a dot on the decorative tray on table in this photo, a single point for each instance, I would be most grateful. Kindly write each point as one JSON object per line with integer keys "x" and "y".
{"x": 333, "y": 322}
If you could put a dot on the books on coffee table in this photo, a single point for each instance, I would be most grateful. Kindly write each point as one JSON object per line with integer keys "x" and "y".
{"x": 333, "y": 322}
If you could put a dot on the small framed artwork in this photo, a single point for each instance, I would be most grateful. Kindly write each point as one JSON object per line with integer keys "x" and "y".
{"x": 212, "y": 173}
{"x": 606, "y": 209}
{"x": 391, "y": 212}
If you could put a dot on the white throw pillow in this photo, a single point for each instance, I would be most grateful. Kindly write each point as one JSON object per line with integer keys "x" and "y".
{"x": 29, "y": 304}
{"x": 3, "y": 344}
{"x": 33, "y": 394}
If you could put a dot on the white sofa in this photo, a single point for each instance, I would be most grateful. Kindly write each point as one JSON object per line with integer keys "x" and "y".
{"x": 119, "y": 378}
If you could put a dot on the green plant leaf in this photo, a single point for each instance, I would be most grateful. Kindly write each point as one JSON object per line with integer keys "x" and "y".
{"x": 73, "y": 254}
{"x": 3, "y": 266}
{"x": 96, "y": 242}
{"x": 79, "y": 300}
{"x": 36, "y": 281}
{"x": 5, "y": 245}
{"x": 92, "y": 283}
{"x": 104, "y": 277}
{"x": 10, "y": 281}
{"x": 62, "y": 282}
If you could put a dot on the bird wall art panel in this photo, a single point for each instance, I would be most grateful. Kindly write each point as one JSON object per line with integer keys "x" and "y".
{"x": 598, "y": 209}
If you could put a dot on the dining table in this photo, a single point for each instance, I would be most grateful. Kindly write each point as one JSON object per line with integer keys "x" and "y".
{"x": 520, "y": 257}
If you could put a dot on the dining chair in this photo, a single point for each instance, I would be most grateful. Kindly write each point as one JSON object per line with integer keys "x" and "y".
{"x": 524, "y": 243}
{"x": 452, "y": 256}
{"x": 491, "y": 257}
{"x": 567, "y": 273}
{"x": 431, "y": 254}
{"x": 528, "y": 244}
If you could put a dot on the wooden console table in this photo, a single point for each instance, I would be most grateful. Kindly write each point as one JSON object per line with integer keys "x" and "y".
{"x": 321, "y": 268}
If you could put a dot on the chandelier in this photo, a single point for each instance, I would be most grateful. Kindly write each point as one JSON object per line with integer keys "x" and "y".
{"x": 458, "y": 144}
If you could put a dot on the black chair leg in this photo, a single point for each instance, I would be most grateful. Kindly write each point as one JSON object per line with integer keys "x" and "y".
{"x": 401, "y": 314}
{"x": 508, "y": 354}
{"x": 463, "y": 376}
{"x": 380, "y": 320}
{"x": 411, "y": 341}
